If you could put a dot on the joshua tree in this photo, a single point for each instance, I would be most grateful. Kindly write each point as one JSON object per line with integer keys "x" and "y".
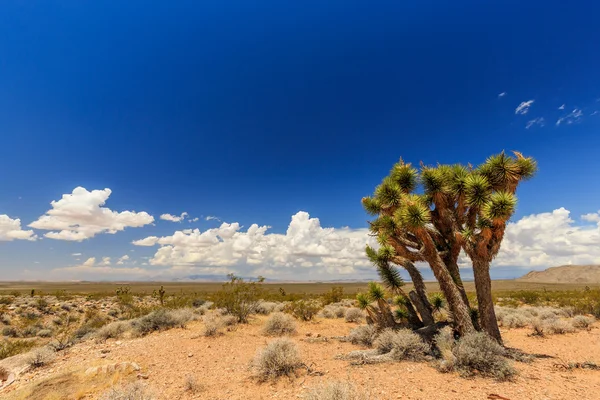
{"x": 459, "y": 208}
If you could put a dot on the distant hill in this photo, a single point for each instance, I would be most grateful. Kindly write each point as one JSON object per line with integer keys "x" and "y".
{"x": 565, "y": 274}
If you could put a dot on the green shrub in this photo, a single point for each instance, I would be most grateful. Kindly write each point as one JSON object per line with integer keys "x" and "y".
{"x": 334, "y": 295}
{"x": 114, "y": 330}
{"x": 304, "y": 310}
{"x": 14, "y": 347}
{"x": 239, "y": 298}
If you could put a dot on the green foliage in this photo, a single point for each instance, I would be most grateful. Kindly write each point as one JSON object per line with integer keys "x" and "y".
{"x": 304, "y": 310}
{"x": 376, "y": 291}
{"x": 437, "y": 301}
{"x": 334, "y": 295}
{"x": 9, "y": 348}
{"x": 239, "y": 298}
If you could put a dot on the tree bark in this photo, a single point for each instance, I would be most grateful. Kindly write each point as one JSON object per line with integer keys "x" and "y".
{"x": 424, "y": 312}
{"x": 460, "y": 311}
{"x": 417, "y": 280}
{"x": 483, "y": 286}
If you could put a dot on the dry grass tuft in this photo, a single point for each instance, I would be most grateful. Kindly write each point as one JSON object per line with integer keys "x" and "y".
{"x": 401, "y": 345}
{"x": 363, "y": 335}
{"x": 279, "y": 324}
{"x": 133, "y": 391}
{"x": 477, "y": 353}
{"x": 354, "y": 315}
{"x": 192, "y": 385}
{"x": 583, "y": 322}
{"x": 336, "y": 391}
{"x": 41, "y": 357}
{"x": 279, "y": 358}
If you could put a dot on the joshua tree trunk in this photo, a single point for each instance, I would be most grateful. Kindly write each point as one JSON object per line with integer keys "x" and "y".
{"x": 423, "y": 306}
{"x": 483, "y": 285}
{"x": 413, "y": 318}
{"x": 455, "y": 273}
{"x": 425, "y": 313}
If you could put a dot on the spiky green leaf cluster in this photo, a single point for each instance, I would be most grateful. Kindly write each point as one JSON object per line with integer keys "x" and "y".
{"x": 363, "y": 300}
{"x": 477, "y": 190}
{"x": 405, "y": 176}
{"x": 413, "y": 213}
{"x": 499, "y": 207}
{"x": 376, "y": 291}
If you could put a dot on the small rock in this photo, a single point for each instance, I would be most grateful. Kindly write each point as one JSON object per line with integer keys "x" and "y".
{"x": 190, "y": 355}
{"x": 142, "y": 376}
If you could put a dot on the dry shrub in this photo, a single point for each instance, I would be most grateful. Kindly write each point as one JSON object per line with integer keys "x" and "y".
{"x": 335, "y": 391}
{"x": 212, "y": 326}
{"x": 113, "y": 330}
{"x": 229, "y": 320}
{"x": 279, "y": 324}
{"x": 40, "y": 357}
{"x": 44, "y": 333}
{"x": 354, "y": 315}
{"x": 515, "y": 321}
{"x": 582, "y": 322}
{"x": 265, "y": 307}
{"x": 478, "y": 353}
{"x": 14, "y": 347}
{"x": 363, "y": 335}
{"x": 558, "y": 326}
{"x": 539, "y": 327}
{"x": 192, "y": 385}
{"x": 3, "y": 374}
{"x": 133, "y": 391}
{"x": 403, "y": 344}
{"x": 161, "y": 320}
{"x": 444, "y": 342}
{"x": 279, "y": 358}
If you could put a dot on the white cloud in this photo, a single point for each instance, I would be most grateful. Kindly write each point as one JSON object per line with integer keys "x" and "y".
{"x": 536, "y": 121}
{"x": 174, "y": 218}
{"x": 306, "y": 246}
{"x": 122, "y": 260}
{"x": 562, "y": 107}
{"x": 550, "y": 239}
{"x": 502, "y": 94}
{"x": 211, "y": 217}
{"x": 76, "y": 254}
{"x": 149, "y": 241}
{"x": 592, "y": 217}
{"x": 79, "y": 216}
{"x": 91, "y": 269}
{"x": 523, "y": 108}
{"x": 193, "y": 219}
{"x": 10, "y": 229}
{"x": 572, "y": 117}
{"x": 105, "y": 261}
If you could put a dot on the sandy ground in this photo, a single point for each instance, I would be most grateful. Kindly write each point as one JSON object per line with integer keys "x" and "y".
{"x": 221, "y": 365}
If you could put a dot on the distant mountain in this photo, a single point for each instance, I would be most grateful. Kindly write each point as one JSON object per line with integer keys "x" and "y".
{"x": 565, "y": 274}
{"x": 213, "y": 278}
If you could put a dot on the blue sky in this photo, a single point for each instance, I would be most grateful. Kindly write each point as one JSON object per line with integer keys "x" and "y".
{"x": 255, "y": 111}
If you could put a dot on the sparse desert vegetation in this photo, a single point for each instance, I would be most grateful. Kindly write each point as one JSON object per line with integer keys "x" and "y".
{"x": 71, "y": 333}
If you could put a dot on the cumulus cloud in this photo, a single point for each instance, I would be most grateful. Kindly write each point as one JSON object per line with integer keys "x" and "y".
{"x": 523, "y": 108}
{"x": 562, "y": 107}
{"x": 10, "y": 229}
{"x": 502, "y": 94}
{"x": 174, "y": 218}
{"x": 305, "y": 246}
{"x": 550, "y": 239}
{"x": 309, "y": 251}
{"x": 122, "y": 260}
{"x": 193, "y": 219}
{"x": 80, "y": 215}
{"x": 536, "y": 121}
{"x": 571, "y": 118}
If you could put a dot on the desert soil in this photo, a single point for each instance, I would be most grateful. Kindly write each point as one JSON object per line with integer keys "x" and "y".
{"x": 221, "y": 366}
